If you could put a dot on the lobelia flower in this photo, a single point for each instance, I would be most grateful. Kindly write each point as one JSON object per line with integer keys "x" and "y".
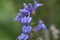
{"x": 36, "y": 5}
{"x": 43, "y": 25}
{"x": 40, "y": 26}
{"x": 25, "y": 12}
{"x": 26, "y": 17}
{"x": 23, "y": 36}
{"x": 19, "y": 16}
{"x": 26, "y": 20}
{"x": 28, "y": 7}
{"x": 26, "y": 30}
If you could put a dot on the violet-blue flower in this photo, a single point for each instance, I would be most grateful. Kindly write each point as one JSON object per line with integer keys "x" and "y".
{"x": 18, "y": 17}
{"x": 36, "y": 5}
{"x": 43, "y": 25}
{"x": 23, "y": 36}
{"x": 25, "y": 12}
{"x": 37, "y": 28}
{"x": 28, "y": 7}
{"x": 26, "y": 19}
{"x": 40, "y": 26}
{"x": 26, "y": 29}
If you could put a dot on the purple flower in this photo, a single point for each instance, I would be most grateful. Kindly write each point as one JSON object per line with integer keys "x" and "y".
{"x": 26, "y": 29}
{"x": 25, "y": 12}
{"x": 28, "y": 7}
{"x": 36, "y": 5}
{"x": 40, "y": 26}
{"x": 18, "y": 17}
{"x": 23, "y": 36}
{"x": 23, "y": 19}
{"x": 43, "y": 25}
{"x": 37, "y": 28}
{"x": 26, "y": 19}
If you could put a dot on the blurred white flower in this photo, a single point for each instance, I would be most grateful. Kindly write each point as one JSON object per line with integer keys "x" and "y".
{"x": 54, "y": 31}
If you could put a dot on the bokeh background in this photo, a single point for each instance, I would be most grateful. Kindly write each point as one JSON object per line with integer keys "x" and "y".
{"x": 10, "y": 29}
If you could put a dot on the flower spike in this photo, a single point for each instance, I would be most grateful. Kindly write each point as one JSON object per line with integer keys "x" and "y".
{"x": 24, "y": 17}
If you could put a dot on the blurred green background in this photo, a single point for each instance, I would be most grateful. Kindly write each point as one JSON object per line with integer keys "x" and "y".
{"x": 10, "y": 29}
